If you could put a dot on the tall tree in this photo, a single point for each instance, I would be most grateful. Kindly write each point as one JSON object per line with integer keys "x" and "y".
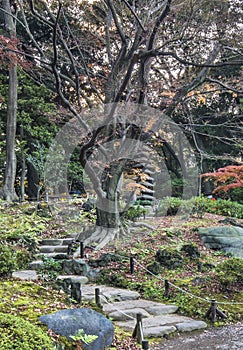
{"x": 10, "y": 170}
{"x": 113, "y": 51}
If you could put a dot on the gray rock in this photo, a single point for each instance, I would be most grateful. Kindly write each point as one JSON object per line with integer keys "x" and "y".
{"x": 226, "y": 238}
{"x": 190, "y": 326}
{"x": 68, "y": 322}
{"x": 75, "y": 267}
{"x": 34, "y": 265}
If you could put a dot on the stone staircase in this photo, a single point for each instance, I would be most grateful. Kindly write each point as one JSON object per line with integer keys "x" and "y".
{"x": 120, "y": 305}
{"x": 57, "y": 248}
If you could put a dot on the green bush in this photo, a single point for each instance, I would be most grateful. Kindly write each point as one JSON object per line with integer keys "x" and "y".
{"x": 19, "y": 334}
{"x": 170, "y": 204}
{"x": 50, "y": 269}
{"x": 12, "y": 258}
{"x": 170, "y": 258}
{"x": 225, "y": 207}
{"x": 230, "y": 272}
{"x": 134, "y": 213}
{"x": 201, "y": 205}
{"x": 8, "y": 261}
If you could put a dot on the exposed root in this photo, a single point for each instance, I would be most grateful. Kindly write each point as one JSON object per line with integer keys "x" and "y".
{"x": 143, "y": 224}
{"x": 102, "y": 236}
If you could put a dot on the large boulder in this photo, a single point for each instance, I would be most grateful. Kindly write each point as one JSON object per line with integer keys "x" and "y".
{"x": 68, "y": 322}
{"x": 226, "y": 238}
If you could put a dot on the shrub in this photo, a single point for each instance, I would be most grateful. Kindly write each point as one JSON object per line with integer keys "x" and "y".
{"x": 170, "y": 204}
{"x": 50, "y": 268}
{"x": 19, "y": 334}
{"x": 134, "y": 213}
{"x": 230, "y": 272}
{"x": 225, "y": 207}
{"x": 8, "y": 262}
{"x": 12, "y": 258}
{"x": 169, "y": 257}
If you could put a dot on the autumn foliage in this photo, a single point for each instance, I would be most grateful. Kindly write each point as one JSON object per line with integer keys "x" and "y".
{"x": 227, "y": 178}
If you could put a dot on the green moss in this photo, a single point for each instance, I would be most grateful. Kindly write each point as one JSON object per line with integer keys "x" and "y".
{"x": 30, "y": 300}
{"x": 19, "y": 334}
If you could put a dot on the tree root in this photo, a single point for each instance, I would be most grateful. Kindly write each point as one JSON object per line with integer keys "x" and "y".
{"x": 102, "y": 236}
{"x": 143, "y": 224}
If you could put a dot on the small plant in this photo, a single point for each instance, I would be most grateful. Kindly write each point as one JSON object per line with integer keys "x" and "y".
{"x": 81, "y": 337}
{"x": 134, "y": 213}
{"x": 48, "y": 271}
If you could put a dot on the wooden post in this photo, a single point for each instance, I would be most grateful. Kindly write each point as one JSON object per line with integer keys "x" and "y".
{"x": 131, "y": 265}
{"x": 97, "y": 297}
{"x": 138, "y": 330}
{"x": 69, "y": 252}
{"x": 145, "y": 345}
{"x": 76, "y": 291}
{"x": 82, "y": 250}
{"x": 213, "y": 310}
{"x": 167, "y": 288}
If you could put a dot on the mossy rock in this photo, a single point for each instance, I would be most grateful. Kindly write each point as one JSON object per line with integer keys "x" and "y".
{"x": 19, "y": 334}
{"x": 191, "y": 250}
{"x": 169, "y": 257}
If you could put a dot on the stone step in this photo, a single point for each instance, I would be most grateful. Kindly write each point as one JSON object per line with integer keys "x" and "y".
{"x": 108, "y": 294}
{"x": 34, "y": 265}
{"x": 73, "y": 278}
{"x": 59, "y": 241}
{"x": 57, "y": 256}
{"x": 27, "y": 275}
{"x": 132, "y": 308}
{"x": 53, "y": 248}
{"x": 146, "y": 184}
{"x": 158, "y": 326}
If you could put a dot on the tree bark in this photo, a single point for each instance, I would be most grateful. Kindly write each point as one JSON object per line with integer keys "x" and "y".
{"x": 10, "y": 172}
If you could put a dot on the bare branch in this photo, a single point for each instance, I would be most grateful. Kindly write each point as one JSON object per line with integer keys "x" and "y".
{"x": 157, "y": 52}
{"x": 135, "y": 15}
{"x": 195, "y": 82}
{"x": 118, "y": 26}
{"x": 224, "y": 85}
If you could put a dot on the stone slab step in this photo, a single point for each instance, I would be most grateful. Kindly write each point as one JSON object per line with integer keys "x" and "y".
{"x": 73, "y": 278}
{"x": 34, "y": 265}
{"x": 53, "y": 248}
{"x": 158, "y": 326}
{"x": 108, "y": 294}
{"x": 28, "y": 275}
{"x": 57, "y": 256}
{"x": 57, "y": 242}
{"x": 146, "y": 307}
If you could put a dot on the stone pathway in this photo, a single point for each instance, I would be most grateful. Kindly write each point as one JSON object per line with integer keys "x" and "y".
{"x": 120, "y": 305}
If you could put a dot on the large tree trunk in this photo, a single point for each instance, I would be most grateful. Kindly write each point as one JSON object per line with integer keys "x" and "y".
{"x": 10, "y": 172}
{"x": 108, "y": 220}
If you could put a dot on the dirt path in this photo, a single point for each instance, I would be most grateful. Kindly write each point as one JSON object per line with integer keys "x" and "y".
{"x": 223, "y": 338}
